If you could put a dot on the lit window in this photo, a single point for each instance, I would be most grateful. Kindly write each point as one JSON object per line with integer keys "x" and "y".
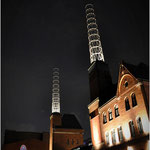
{"x": 127, "y": 104}
{"x": 134, "y": 102}
{"x": 120, "y": 134}
{"x": 132, "y": 129}
{"x": 113, "y": 136}
{"x": 140, "y": 127}
{"x": 107, "y": 138}
{"x": 110, "y": 114}
{"x": 104, "y": 118}
{"x": 23, "y": 147}
{"x": 116, "y": 111}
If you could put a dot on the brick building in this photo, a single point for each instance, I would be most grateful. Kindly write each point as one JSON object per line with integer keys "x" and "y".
{"x": 119, "y": 114}
{"x": 17, "y": 140}
{"x": 65, "y": 132}
{"x": 123, "y": 121}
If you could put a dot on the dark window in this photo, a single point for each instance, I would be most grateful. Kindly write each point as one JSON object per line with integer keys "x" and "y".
{"x": 72, "y": 141}
{"x": 116, "y": 111}
{"x": 140, "y": 127}
{"x": 120, "y": 133}
{"x": 132, "y": 129}
{"x": 113, "y": 136}
{"x": 110, "y": 114}
{"x": 77, "y": 141}
{"x": 127, "y": 104}
{"x": 126, "y": 84}
{"x": 67, "y": 141}
{"x": 107, "y": 138}
{"x": 104, "y": 118}
{"x": 134, "y": 102}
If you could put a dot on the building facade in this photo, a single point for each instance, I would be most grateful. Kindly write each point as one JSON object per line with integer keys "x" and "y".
{"x": 119, "y": 114}
{"x": 123, "y": 121}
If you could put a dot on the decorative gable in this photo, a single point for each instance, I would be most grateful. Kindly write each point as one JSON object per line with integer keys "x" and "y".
{"x": 125, "y": 81}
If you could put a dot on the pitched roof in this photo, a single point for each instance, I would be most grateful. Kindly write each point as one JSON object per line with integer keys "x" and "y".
{"x": 140, "y": 71}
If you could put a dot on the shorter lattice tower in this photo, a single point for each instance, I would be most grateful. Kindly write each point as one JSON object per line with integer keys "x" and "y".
{"x": 95, "y": 47}
{"x": 56, "y": 91}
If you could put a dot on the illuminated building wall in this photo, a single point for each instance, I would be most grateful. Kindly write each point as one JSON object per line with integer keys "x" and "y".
{"x": 123, "y": 119}
{"x": 118, "y": 120}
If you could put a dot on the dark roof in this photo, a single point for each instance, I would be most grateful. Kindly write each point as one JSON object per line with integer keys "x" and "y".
{"x": 14, "y": 136}
{"x": 140, "y": 71}
{"x": 69, "y": 121}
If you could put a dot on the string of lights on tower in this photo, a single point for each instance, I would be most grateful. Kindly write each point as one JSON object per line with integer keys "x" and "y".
{"x": 55, "y": 91}
{"x": 95, "y": 47}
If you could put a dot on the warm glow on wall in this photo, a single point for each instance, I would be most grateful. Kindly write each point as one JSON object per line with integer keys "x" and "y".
{"x": 145, "y": 124}
{"x": 95, "y": 131}
{"x": 117, "y": 137}
{"x": 130, "y": 148}
{"x": 126, "y": 131}
{"x": 96, "y": 135}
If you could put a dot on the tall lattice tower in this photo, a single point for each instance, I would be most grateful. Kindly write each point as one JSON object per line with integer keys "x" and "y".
{"x": 95, "y": 47}
{"x": 56, "y": 91}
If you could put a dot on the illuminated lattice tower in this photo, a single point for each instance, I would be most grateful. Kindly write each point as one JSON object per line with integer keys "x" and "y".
{"x": 56, "y": 91}
{"x": 95, "y": 46}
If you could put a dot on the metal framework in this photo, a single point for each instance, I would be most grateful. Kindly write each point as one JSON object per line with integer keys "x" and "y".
{"x": 95, "y": 47}
{"x": 55, "y": 91}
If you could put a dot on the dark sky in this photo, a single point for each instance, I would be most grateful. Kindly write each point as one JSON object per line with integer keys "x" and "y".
{"x": 38, "y": 35}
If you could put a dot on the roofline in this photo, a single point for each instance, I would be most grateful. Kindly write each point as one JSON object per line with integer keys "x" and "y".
{"x": 93, "y": 102}
{"x": 107, "y": 102}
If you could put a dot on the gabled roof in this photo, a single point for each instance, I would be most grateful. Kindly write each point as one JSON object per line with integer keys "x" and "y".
{"x": 140, "y": 71}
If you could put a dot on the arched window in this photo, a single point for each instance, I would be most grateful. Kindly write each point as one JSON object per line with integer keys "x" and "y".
{"x": 120, "y": 133}
{"x": 104, "y": 118}
{"x": 139, "y": 123}
{"x": 107, "y": 138}
{"x": 110, "y": 114}
{"x": 134, "y": 102}
{"x": 127, "y": 104}
{"x": 23, "y": 147}
{"x": 113, "y": 136}
{"x": 132, "y": 129}
{"x": 116, "y": 111}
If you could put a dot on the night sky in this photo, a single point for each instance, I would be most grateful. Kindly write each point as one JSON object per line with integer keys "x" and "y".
{"x": 38, "y": 35}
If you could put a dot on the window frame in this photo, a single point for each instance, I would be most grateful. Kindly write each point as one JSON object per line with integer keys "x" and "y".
{"x": 104, "y": 118}
{"x": 139, "y": 125}
{"x": 110, "y": 114}
{"x": 134, "y": 100}
{"x": 116, "y": 111}
{"x": 120, "y": 134}
{"x": 127, "y": 104}
{"x": 113, "y": 135}
{"x": 107, "y": 138}
{"x": 132, "y": 128}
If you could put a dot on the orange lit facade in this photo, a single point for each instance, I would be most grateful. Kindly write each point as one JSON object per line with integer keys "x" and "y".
{"x": 123, "y": 121}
